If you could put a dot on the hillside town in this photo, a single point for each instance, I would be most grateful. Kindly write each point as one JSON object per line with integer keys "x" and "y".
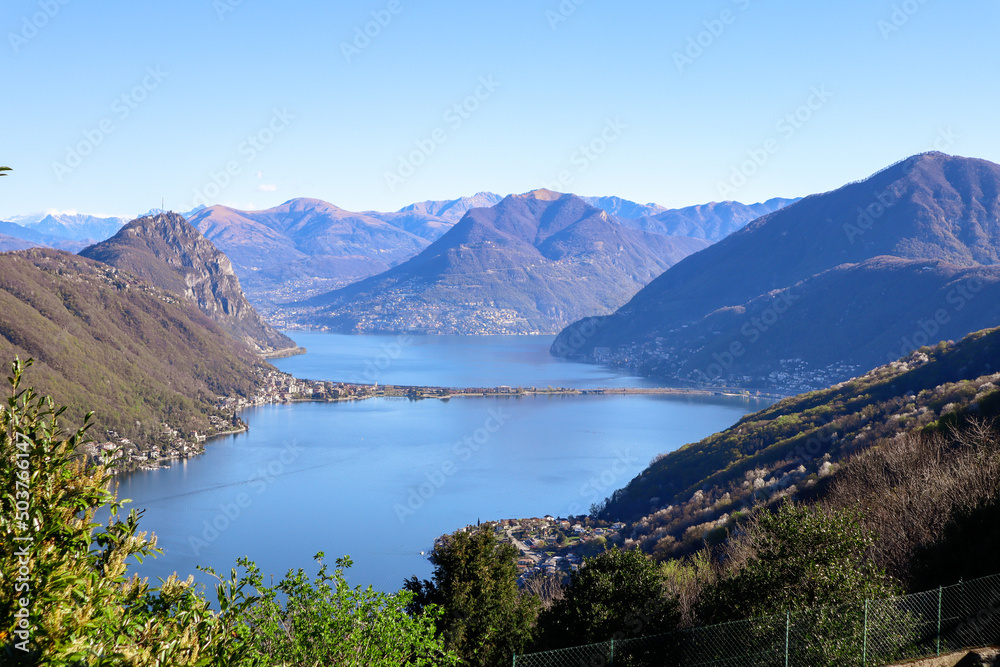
{"x": 551, "y": 546}
{"x": 783, "y": 377}
{"x": 392, "y": 312}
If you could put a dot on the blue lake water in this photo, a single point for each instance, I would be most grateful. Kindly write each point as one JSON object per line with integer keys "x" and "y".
{"x": 380, "y": 479}
{"x": 450, "y": 361}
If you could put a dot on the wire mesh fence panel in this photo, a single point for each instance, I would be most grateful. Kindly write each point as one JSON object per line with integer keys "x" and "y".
{"x": 647, "y": 651}
{"x": 592, "y": 655}
{"x": 970, "y": 614}
{"x": 900, "y": 628}
{"x": 868, "y": 634}
{"x": 827, "y": 636}
{"x": 758, "y": 642}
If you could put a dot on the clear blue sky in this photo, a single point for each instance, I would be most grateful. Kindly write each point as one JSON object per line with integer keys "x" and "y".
{"x": 673, "y": 130}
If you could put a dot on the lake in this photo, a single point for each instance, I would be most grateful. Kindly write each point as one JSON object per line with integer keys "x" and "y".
{"x": 380, "y": 479}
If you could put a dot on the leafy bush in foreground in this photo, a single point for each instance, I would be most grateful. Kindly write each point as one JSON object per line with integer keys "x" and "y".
{"x": 67, "y": 598}
{"x": 327, "y": 622}
{"x": 65, "y": 594}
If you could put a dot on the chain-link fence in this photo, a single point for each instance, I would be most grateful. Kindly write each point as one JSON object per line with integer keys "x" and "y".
{"x": 872, "y": 633}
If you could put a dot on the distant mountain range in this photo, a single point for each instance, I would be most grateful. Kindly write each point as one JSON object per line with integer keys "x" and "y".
{"x": 9, "y": 243}
{"x": 812, "y": 293}
{"x": 168, "y": 252}
{"x": 448, "y": 210}
{"x": 530, "y": 264}
{"x": 713, "y": 222}
{"x": 306, "y": 247}
{"x": 14, "y": 236}
{"x": 71, "y": 226}
{"x": 623, "y": 208}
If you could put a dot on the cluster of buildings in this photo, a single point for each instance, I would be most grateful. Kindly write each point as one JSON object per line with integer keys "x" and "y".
{"x": 169, "y": 444}
{"x": 791, "y": 376}
{"x": 796, "y": 376}
{"x": 123, "y": 454}
{"x": 551, "y": 546}
{"x": 394, "y": 312}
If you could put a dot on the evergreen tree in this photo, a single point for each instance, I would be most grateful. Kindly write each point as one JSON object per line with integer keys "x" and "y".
{"x": 803, "y": 557}
{"x": 486, "y": 618}
{"x": 616, "y": 595}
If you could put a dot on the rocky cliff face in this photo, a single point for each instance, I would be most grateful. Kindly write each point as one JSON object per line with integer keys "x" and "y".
{"x": 104, "y": 340}
{"x": 170, "y": 253}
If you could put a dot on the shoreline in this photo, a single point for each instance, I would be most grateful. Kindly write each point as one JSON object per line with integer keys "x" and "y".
{"x": 168, "y": 462}
{"x": 423, "y": 392}
{"x": 285, "y": 353}
{"x": 294, "y": 390}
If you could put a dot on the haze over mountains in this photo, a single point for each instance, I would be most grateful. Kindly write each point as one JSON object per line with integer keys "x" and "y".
{"x": 168, "y": 252}
{"x": 70, "y": 226}
{"x": 447, "y": 210}
{"x": 812, "y": 293}
{"x": 713, "y": 222}
{"x": 8, "y": 243}
{"x": 64, "y": 231}
{"x": 527, "y": 265}
{"x": 306, "y": 247}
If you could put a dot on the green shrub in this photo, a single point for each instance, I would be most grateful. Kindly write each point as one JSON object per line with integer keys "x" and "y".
{"x": 68, "y": 600}
{"x": 66, "y": 597}
{"x": 327, "y": 622}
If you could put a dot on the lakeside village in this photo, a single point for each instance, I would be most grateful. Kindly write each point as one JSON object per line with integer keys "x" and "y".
{"x": 551, "y": 546}
{"x": 787, "y": 377}
{"x": 169, "y": 444}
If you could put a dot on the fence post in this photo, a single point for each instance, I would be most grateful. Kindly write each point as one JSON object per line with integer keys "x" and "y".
{"x": 788, "y": 627}
{"x": 940, "y": 592}
{"x": 612, "y": 664}
{"x": 864, "y": 650}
